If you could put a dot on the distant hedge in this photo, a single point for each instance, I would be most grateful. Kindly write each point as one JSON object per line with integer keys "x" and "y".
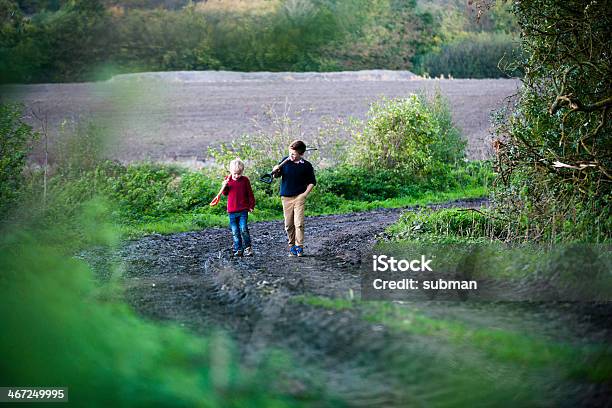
{"x": 483, "y": 55}
{"x": 84, "y": 40}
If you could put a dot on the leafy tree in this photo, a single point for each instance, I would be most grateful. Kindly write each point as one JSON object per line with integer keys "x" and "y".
{"x": 77, "y": 39}
{"x": 554, "y": 151}
{"x": 387, "y": 34}
{"x": 13, "y": 28}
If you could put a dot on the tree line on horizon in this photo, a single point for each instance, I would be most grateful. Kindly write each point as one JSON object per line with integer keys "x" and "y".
{"x": 78, "y": 40}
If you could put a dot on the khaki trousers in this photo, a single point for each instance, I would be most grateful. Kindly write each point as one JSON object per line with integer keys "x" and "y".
{"x": 293, "y": 211}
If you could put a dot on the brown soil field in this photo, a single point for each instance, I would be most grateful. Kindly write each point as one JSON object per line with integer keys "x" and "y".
{"x": 177, "y": 116}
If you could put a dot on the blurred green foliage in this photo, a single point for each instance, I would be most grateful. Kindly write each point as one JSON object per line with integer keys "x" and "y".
{"x": 66, "y": 327}
{"x": 16, "y": 139}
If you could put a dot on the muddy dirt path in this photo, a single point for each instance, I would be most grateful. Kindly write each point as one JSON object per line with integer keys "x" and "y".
{"x": 190, "y": 279}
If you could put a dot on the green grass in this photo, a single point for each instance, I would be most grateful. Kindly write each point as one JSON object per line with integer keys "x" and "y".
{"x": 184, "y": 223}
{"x": 480, "y": 242}
{"x": 522, "y": 349}
{"x": 171, "y": 225}
{"x": 176, "y": 223}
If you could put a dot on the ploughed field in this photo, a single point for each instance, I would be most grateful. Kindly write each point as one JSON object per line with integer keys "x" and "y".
{"x": 178, "y": 115}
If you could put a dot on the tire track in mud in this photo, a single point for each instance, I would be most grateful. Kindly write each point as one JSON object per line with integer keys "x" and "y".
{"x": 191, "y": 279}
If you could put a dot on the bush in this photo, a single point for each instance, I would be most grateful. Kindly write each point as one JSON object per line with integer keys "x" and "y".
{"x": 263, "y": 149}
{"x": 412, "y": 135}
{"x": 356, "y": 183}
{"x": 473, "y": 56}
{"x": 153, "y": 191}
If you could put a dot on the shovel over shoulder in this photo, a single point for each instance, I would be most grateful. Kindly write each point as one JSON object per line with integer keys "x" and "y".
{"x": 217, "y": 198}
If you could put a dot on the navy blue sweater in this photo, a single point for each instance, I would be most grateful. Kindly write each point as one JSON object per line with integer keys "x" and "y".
{"x": 296, "y": 177}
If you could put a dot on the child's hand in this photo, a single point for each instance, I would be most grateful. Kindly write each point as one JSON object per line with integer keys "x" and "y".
{"x": 251, "y": 209}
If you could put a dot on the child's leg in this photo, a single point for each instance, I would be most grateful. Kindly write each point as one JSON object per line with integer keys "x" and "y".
{"x": 298, "y": 216}
{"x": 234, "y": 219}
{"x": 288, "y": 204}
{"x": 244, "y": 230}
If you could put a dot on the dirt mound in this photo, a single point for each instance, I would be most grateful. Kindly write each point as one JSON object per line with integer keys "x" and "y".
{"x": 230, "y": 76}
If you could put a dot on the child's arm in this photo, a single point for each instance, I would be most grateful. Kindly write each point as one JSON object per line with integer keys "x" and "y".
{"x": 311, "y": 180}
{"x": 224, "y": 187}
{"x": 276, "y": 169}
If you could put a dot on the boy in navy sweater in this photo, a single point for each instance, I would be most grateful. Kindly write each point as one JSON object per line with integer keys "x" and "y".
{"x": 240, "y": 201}
{"x": 298, "y": 180}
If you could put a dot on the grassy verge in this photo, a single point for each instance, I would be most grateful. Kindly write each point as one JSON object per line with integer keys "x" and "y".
{"x": 479, "y": 244}
{"x": 151, "y": 198}
{"x": 196, "y": 221}
{"x": 516, "y": 348}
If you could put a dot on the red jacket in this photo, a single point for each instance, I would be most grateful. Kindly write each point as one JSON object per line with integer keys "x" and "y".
{"x": 239, "y": 195}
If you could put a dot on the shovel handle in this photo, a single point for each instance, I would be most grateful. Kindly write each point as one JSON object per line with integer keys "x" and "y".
{"x": 288, "y": 159}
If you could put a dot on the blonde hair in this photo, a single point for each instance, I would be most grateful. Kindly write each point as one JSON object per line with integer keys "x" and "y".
{"x": 237, "y": 165}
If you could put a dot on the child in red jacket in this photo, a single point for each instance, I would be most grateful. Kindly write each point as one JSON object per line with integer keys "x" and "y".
{"x": 240, "y": 201}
